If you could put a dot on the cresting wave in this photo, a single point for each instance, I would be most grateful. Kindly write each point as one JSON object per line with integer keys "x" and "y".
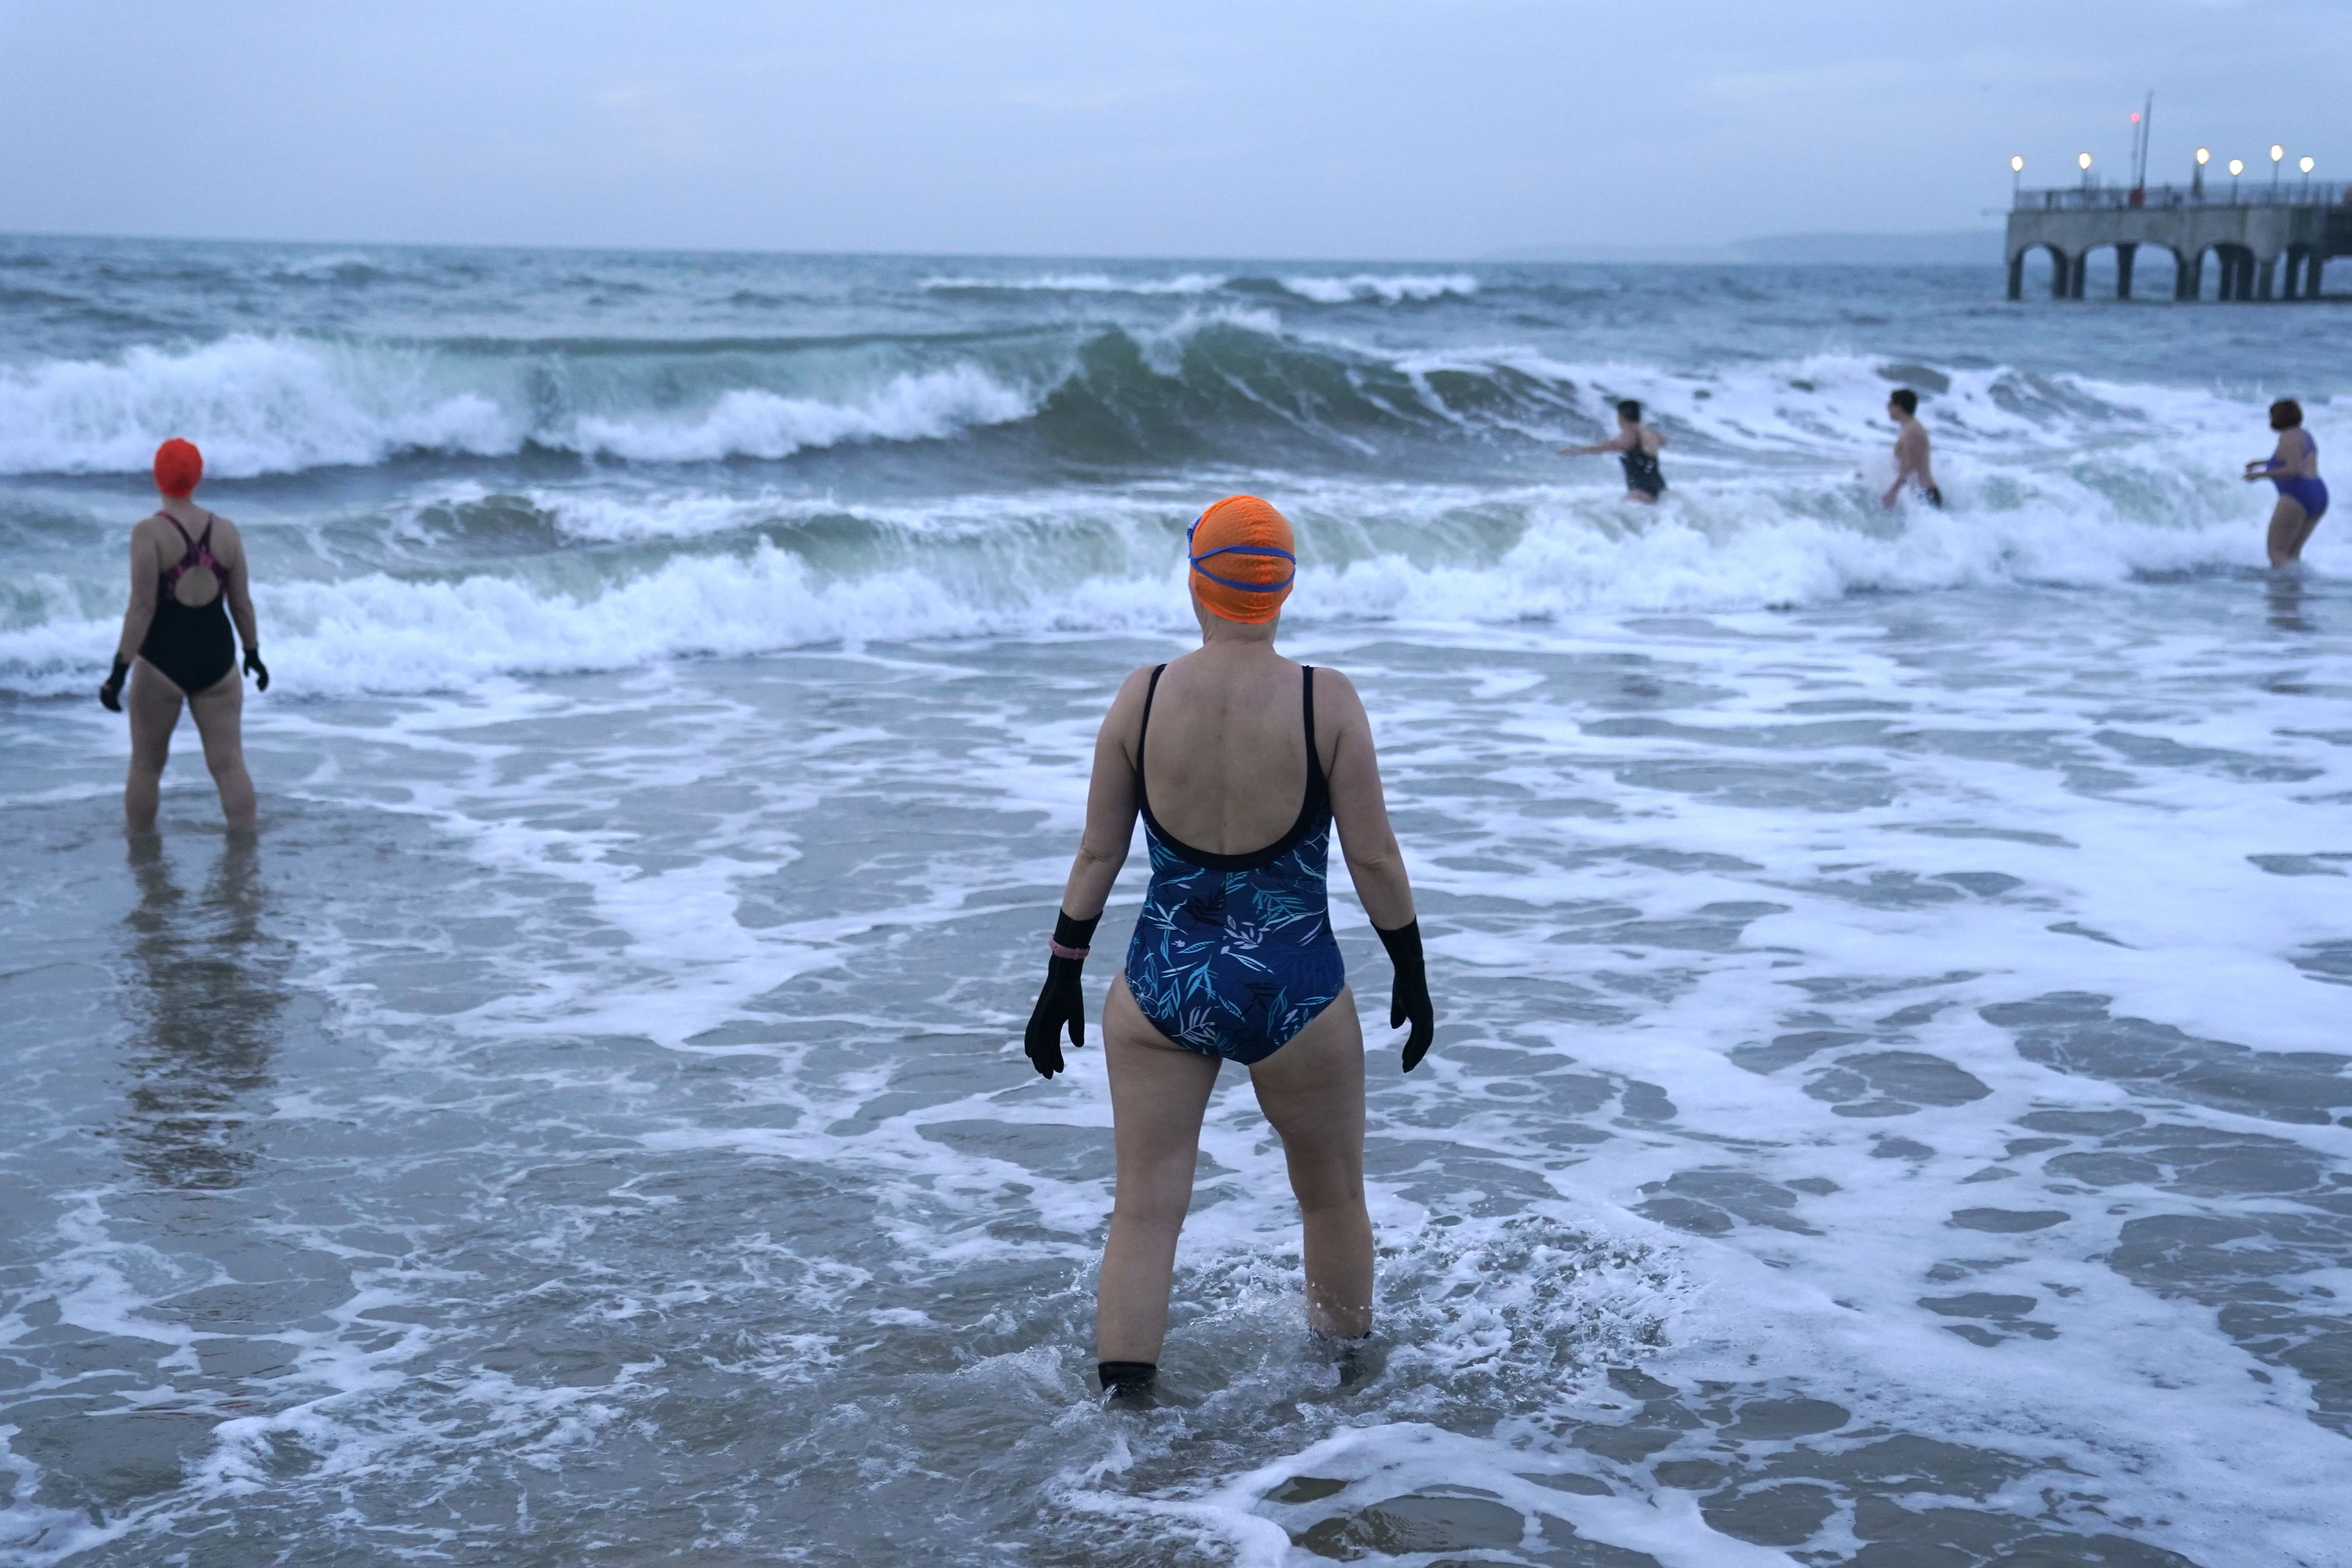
{"x": 1231, "y": 385}
{"x": 1318, "y": 289}
{"x": 277, "y": 405}
{"x": 1380, "y": 286}
{"x": 1077, "y": 283}
{"x": 633, "y": 580}
{"x": 571, "y": 520}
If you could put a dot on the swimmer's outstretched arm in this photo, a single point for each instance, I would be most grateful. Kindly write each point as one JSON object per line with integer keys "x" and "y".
{"x": 1616, "y": 443}
{"x": 1375, "y": 863}
{"x": 1102, "y": 849}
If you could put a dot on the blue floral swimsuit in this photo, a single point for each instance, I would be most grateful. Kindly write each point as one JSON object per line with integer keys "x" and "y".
{"x": 1234, "y": 954}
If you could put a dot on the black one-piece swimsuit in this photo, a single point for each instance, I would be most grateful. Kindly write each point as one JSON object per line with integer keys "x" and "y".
{"x": 1641, "y": 470}
{"x": 192, "y": 645}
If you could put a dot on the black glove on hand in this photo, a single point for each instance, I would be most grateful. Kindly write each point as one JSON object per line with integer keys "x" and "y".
{"x": 110, "y": 694}
{"x": 1062, "y": 1002}
{"x": 1409, "y": 1000}
{"x": 256, "y": 668}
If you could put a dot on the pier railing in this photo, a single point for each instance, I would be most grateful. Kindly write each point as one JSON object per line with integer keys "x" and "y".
{"x": 2217, "y": 193}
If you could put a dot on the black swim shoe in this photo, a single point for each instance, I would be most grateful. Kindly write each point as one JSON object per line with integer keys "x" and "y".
{"x": 1357, "y": 1361}
{"x": 1126, "y": 1382}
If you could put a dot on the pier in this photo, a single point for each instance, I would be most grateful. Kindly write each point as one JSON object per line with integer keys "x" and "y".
{"x": 2248, "y": 233}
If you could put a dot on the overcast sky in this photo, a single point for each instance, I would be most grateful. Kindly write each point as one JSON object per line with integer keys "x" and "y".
{"x": 1397, "y": 129}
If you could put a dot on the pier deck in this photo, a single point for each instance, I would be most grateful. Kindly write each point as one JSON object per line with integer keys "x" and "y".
{"x": 2248, "y": 235}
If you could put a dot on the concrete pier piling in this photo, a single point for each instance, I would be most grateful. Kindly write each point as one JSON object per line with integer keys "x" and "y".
{"x": 2269, "y": 245}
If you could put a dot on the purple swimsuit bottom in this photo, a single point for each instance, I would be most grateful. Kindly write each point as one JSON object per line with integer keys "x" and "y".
{"x": 2308, "y": 490}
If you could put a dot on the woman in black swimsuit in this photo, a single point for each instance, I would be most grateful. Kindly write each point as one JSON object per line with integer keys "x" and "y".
{"x": 187, "y": 580}
{"x": 1637, "y": 446}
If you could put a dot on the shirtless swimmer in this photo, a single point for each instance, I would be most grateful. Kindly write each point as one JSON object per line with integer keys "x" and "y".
{"x": 1910, "y": 449}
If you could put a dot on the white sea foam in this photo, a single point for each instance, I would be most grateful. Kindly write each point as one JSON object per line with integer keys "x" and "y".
{"x": 1082, "y": 283}
{"x": 752, "y": 422}
{"x": 257, "y": 405}
{"x": 1514, "y": 1313}
{"x": 1164, "y": 346}
{"x": 996, "y": 565}
{"x": 611, "y": 516}
{"x": 1390, "y": 288}
{"x": 1515, "y": 1176}
{"x": 676, "y": 1028}
{"x": 1322, "y": 289}
{"x": 283, "y": 404}
{"x": 2063, "y": 479}
{"x": 274, "y": 405}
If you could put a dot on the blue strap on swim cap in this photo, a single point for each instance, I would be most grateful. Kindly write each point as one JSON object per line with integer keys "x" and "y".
{"x": 1238, "y": 550}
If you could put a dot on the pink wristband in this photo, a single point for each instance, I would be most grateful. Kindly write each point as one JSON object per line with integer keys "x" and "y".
{"x": 1060, "y": 952}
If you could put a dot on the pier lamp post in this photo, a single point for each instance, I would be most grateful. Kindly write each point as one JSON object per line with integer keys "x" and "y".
{"x": 2083, "y": 161}
{"x": 2017, "y": 178}
{"x": 2277, "y": 153}
{"x": 2237, "y": 167}
{"x": 2197, "y": 182}
{"x": 2306, "y": 167}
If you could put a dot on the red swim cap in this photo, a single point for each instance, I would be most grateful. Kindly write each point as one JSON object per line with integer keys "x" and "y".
{"x": 1242, "y": 560}
{"x": 178, "y": 467}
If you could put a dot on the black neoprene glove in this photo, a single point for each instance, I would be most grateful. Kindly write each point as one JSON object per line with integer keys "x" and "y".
{"x": 110, "y": 694}
{"x": 1409, "y": 998}
{"x": 256, "y": 668}
{"x": 1063, "y": 1003}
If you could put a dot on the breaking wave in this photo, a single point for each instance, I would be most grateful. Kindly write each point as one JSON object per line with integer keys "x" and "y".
{"x": 1224, "y": 384}
{"x": 603, "y": 503}
{"x": 475, "y": 583}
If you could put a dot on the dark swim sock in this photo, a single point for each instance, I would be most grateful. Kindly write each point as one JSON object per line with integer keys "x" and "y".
{"x": 1352, "y": 1355}
{"x": 1125, "y": 1379}
{"x": 1935, "y": 497}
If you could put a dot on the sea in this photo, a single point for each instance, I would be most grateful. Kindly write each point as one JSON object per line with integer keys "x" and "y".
{"x": 1890, "y": 1104}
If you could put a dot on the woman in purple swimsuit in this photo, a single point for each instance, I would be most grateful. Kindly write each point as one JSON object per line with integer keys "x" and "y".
{"x": 2294, "y": 469}
{"x": 187, "y": 584}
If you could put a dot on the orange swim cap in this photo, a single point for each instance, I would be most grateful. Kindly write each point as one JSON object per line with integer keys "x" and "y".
{"x": 178, "y": 467}
{"x": 1250, "y": 565}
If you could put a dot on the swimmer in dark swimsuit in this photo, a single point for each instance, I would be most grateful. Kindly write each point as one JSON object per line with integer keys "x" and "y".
{"x": 1251, "y": 760}
{"x": 1637, "y": 446}
{"x": 1910, "y": 449}
{"x": 2294, "y": 469}
{"x": 187, "y": 580}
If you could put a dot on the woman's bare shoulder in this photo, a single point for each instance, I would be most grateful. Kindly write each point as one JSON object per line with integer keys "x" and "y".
{"x": 1337, "y": 693}
{"x": 1129, "y": 695}
{"x": 149, "y": 533}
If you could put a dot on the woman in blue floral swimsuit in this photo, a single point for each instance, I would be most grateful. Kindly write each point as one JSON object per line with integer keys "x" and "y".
{"x": 1232, "y": 957}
